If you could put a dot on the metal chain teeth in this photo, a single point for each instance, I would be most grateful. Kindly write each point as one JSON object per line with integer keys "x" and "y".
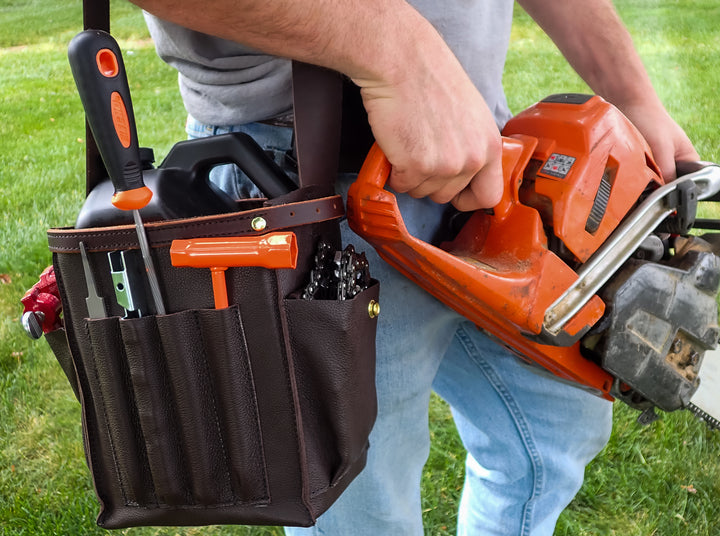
{"x": 340, "y": 275}
{"x": 358, "y": 274}
{"x": 711, "y": 421}
{"x": 318, "y": 275}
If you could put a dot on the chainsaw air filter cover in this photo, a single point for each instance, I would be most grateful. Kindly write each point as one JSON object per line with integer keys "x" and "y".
{"x": 591, "y": 167}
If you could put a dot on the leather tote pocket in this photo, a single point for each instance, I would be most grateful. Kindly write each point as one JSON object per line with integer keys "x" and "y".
{"x": 180, "y": 432}
{"x": 333, "y": 344}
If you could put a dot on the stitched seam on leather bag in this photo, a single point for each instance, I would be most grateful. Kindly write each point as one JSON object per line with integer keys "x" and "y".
{"x": 256, "y": 412}
{"x": 198, "y": 329}
{"x": 105, "y": 416}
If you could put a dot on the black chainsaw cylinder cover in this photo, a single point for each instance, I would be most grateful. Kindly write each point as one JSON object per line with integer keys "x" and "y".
{"x": 660, "y": 320}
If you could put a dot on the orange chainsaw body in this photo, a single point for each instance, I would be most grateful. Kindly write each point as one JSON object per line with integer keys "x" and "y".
{"x": 573, "y": 167}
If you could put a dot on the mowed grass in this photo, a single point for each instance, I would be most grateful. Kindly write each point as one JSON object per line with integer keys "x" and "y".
{"x": 661, "y": 480}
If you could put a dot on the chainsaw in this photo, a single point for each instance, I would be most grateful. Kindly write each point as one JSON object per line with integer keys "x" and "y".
{"x": 587, "y": 266}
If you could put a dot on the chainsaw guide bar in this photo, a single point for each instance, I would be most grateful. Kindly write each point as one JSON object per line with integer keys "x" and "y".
{"x": 705, "y": 403}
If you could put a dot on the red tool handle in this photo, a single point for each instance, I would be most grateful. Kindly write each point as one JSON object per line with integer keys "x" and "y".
{"x": 99, "y": 72}
{"x": 43, "y": 300}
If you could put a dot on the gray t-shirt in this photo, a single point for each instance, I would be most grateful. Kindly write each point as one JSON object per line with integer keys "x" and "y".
{"x": 226, "y": 83}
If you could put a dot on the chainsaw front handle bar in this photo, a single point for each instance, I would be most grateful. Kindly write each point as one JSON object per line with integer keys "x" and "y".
{"x": 706, "y": 179}
{"x": 625, "y": 240}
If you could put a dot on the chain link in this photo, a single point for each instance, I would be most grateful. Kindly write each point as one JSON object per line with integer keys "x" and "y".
{"x": 337, "y": 275}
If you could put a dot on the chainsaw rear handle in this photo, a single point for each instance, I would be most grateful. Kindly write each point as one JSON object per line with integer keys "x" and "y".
{"x": 376, "y": 168}
{"x": 99, "y": 72}
{"x": 200, "y": 155}
{"x": 471, "y": 287}
{"x": 516, "y": 150}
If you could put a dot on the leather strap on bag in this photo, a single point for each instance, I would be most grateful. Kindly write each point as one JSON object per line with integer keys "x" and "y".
{"x": 317, "y": 105}
{"x": 276, "y": 218}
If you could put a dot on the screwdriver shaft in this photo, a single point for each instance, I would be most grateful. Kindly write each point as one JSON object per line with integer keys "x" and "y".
{"x": 149, "y": 265}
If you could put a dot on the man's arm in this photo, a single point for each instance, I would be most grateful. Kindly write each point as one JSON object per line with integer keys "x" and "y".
{"x": 594, "y": 40}
{"x": 426, "y": 115}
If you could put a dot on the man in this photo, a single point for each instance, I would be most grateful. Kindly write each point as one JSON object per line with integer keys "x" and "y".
{"x": 430, "y": 77}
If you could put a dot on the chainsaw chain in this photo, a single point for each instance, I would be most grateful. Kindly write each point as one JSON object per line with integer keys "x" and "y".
{"x": 351, "y": 272}
{"x": 338, "y": 275}
{"x": 318, "y": 275}
{"x": 711, "y": 421}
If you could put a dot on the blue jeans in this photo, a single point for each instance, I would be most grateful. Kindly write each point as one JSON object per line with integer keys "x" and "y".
{"x": 528, "y": 435}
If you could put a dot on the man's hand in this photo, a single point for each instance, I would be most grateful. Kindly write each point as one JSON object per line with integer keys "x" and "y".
{"x": 436, "y": 131}
{"x": 668, "y": 142}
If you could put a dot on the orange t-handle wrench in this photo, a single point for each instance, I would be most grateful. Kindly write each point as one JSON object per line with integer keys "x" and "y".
{"x": 272, "y": 250}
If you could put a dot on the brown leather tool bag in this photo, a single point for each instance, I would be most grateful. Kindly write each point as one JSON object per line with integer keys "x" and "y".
{"x": 257, "y": 413}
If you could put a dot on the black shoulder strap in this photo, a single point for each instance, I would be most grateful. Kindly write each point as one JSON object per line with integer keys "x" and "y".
{"x": 332, "y": 132}
{"x": 96, "y": 16}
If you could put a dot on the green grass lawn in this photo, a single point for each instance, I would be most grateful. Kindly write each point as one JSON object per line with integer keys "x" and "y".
{"x": 662, "y": 480}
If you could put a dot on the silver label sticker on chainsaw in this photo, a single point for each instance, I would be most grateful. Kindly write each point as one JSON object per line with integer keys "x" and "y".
{"x": 558, "y": 165}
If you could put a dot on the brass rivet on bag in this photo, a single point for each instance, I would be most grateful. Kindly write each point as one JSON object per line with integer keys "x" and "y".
{"x": 258, "y": 224}
{"x": 373, "y": 308}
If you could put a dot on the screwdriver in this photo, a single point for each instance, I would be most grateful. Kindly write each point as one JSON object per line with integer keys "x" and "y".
{"x": 95, "y": 303}
{"x": 99, "y": 72}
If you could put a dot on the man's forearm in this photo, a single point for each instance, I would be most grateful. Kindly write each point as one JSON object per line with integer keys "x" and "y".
{"x": 364, "y": 39}
{"x": 590, "y": 34}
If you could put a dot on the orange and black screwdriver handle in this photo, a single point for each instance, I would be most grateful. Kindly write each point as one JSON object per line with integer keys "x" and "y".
{"x": 99, "y": 72}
